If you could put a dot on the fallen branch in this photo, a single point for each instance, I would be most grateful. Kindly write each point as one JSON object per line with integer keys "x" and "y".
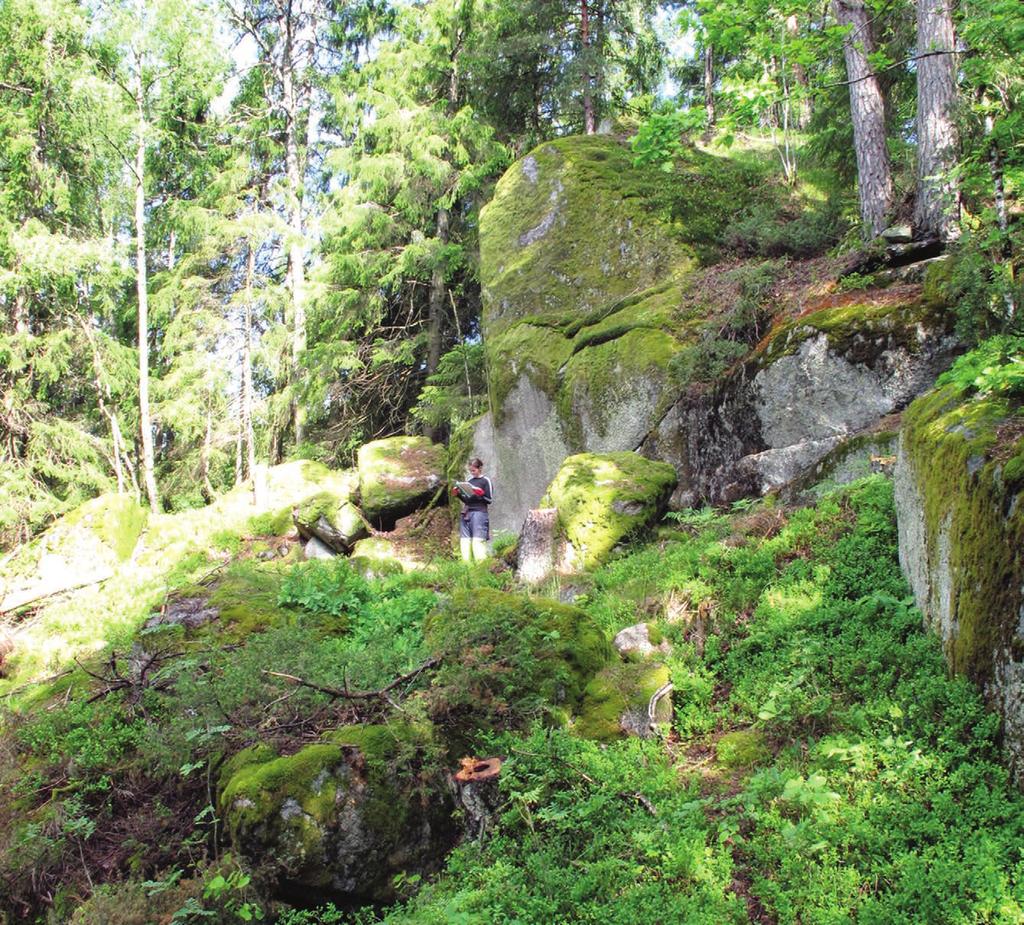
{"x": 24, "y": 596}
{"x": 346, "y": 694}
{"x": 652, "y": 704}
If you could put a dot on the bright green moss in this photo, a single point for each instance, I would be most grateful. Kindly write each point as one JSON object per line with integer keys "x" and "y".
{"x": 618, "y": 697}
{"x": 276, "y": 523}
{"x": 862, "y": 330}
{"x": 116, "y": 520}
{"x": 976, "y": 497}
{"x": 744, "y": 748}
{"x": 605, "y": 498}
{"x": 616, "y": 374}
{"x": 260, "y": 788}
{"x": 323, "y": 504}
{"x": 539, "y": 234}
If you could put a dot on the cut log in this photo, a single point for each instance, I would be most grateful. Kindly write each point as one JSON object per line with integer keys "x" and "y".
{"x": 537, "y": 546}
{"x": 476, "y": 791}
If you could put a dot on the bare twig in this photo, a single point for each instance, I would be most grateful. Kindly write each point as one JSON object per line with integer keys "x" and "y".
{"x": 346, "y": 694}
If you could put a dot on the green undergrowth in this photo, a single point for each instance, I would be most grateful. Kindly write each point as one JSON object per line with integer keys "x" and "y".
{"x": 823, "y": 767}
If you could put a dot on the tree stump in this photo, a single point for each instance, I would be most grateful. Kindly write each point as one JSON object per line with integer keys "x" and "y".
{"x": 476, "y": 791}
{"x": 537, "y": 541}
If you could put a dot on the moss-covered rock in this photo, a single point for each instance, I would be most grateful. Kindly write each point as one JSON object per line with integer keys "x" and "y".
{"x": 814, "y": 384}
{"x": 344, "y": 816}
{"x": 239, "y": 601}
{"x": 331, "y": 518}
{"x": 544, "y": 252}
{"x": 581, "y": 316}
{"x": 84, "y": 546}
{"x": 744, "y": 748}
{"x": 507, "y": 658}
{"x": 603, "y": 499}
{"x": 618, "y": 700}
{"x": 398, "y": 475}
{"x": 960, "y": 507}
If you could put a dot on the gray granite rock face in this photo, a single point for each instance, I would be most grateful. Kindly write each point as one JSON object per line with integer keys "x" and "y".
{"x": 522, "y": 456}
{"x": 945, "y": 567}
{"x": 772, "y": 423}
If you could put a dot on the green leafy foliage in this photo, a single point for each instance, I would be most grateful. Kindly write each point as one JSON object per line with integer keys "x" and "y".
{"x": 994, "y": 367}
{"x": 331, "y": 587}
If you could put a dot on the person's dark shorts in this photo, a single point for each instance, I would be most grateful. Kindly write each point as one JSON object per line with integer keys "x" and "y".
{"x": 475, "y": 525}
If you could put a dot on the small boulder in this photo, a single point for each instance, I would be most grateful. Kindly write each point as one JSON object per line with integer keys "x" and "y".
{"x": 341, "y": 818}
{"x": 605, "y": 498}
{"x": 626, "y": 699}
{"x": 397, "y": 476}
{"x": 637, "y": 641}
{"x": 898, "y": 234}
{"x": 330, "y": 516}
{"x": 317, "y": 549}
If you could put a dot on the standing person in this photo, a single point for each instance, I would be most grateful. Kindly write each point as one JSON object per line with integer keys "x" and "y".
{"x": 475, "y": 522}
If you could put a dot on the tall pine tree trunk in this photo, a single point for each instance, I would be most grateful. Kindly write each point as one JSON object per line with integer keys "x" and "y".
{"x": 867, "y": 108}
{"x": 589, "y": 116}
{"x": 937, "y": 211}
{"x": 247, "y": 391}
{"x": 145, "y": 426}
{"x": 296, "y": 269}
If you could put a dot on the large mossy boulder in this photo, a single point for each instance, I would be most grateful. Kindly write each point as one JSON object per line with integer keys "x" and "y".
{"x": 960, "y": 511}
{"x": 506, "y": 659}
{"x": 605, "y": 498}
{"x": 342, "y": 818}
{"x": 581, "y": 315}
{"x": 84, "y": 546}
{"x": 397, "y": 476}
